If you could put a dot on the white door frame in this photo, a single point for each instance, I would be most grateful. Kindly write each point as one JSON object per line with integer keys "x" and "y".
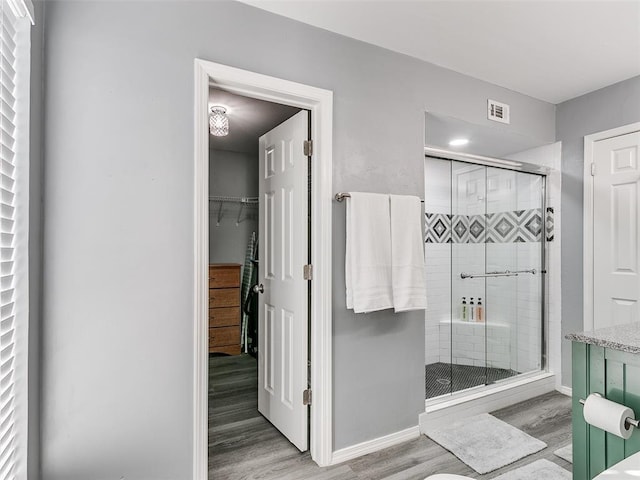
{"x": 587, "y": 232}
{"x": 320, "y": 103}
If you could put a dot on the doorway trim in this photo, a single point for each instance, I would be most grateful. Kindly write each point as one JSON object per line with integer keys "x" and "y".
{"x": 587, "y": 232}
{"x": 320, "y": 103}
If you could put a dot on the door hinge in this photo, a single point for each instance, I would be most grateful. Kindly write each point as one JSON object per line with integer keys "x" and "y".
{"x": 306, "y": 397}
{"x": 307, "y": 147}
{"x": 593, "y": 169}
{"x": 308, "y": 272}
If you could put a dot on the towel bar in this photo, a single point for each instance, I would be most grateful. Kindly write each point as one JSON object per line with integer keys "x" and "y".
{"x": 340, "y": 196}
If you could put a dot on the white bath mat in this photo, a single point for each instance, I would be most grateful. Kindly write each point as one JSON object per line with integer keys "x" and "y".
{"x": 565, "y": 453}
{"x": 485, "y": 443}
{"x": 538, "y": 470}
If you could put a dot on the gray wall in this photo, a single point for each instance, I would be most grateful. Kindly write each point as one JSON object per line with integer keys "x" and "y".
{"x": 118, "y": 313}
{"x": 232, "y": 174}
{"x": 607, "y": 108}
{"x": 36, "y": 182}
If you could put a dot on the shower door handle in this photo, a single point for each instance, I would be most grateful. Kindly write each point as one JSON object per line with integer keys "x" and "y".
{"x": 506, "y": 273}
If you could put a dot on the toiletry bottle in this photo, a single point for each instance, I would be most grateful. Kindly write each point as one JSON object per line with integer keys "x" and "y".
{"x": 464, "y": 312}
{"x": 479, "y": 311}
{"x": 471, "y": 311}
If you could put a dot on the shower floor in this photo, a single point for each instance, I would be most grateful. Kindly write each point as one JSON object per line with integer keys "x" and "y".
{"x": 443, "y": 378}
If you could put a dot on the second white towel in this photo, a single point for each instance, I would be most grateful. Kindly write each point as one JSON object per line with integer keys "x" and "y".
{"x": 408, "y": 271}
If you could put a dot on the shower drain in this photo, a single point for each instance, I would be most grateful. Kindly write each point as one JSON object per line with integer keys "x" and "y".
{"x": 443, "y": 381}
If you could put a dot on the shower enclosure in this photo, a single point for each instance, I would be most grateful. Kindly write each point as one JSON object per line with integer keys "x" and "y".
{"x": 484, "y": 248}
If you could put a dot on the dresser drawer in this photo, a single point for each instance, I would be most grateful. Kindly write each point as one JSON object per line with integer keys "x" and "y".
{"x": 224, "y": 308}
{"x": 228, "y": 349}
{"x": 224, "y": 297}
{"x": 224, "y": 317}
{"x": 224, "y": 275}
{"x": 224, "y": 336}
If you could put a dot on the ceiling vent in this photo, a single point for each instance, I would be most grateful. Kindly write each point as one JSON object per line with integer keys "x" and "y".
{"x": 498, "y": 112}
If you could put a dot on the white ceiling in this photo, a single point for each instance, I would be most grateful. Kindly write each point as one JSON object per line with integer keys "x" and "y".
{"x": 249, "y": 119}
{"x": 483, "y": 139}
{"x": 550, "y": 50}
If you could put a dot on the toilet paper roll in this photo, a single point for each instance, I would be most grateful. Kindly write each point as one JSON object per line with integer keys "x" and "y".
{"x": 608, "y": 416}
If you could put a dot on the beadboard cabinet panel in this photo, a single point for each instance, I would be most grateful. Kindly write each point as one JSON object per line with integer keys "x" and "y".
{"x": 616, "y": 376}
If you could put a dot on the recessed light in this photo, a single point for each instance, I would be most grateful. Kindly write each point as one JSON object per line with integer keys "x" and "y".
{"x": 458, "y": 142}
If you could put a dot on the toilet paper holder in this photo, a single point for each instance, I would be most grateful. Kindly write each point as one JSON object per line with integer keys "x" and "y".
{"x": 628, "y": 421}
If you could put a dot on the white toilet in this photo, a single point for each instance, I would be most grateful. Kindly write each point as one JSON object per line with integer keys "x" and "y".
{"x": 447, "y": 476}
{"x": 627, "y": 469}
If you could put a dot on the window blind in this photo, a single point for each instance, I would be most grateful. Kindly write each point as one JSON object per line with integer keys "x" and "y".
{"x": 7, "y": 236}
{"x": 14, "y": 240}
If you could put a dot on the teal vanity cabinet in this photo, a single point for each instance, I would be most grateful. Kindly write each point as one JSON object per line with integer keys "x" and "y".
{"x": 615, "y": 374}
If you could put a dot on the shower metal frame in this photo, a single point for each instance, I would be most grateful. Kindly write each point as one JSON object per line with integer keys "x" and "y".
{"x": 504, "y": 163}
{"x": 518, "y": 166}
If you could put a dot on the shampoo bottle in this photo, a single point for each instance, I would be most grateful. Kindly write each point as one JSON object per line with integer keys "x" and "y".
{"x": 471, "y": 311}
{"x": 479, "y": 311}
{"x": 464, "y": 312}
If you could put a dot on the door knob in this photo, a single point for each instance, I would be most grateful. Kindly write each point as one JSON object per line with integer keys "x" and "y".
{"x": 258, "y": 288}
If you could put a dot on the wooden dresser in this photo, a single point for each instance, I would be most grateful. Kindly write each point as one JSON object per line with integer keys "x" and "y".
{"x": 224, "y": 308}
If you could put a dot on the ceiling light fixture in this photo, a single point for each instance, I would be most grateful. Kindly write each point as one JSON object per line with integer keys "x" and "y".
{"x": 458, "y": 142}
{"x": 218, "y": 121}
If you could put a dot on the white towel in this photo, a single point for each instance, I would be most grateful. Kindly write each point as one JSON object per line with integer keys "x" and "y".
{"x": 368, "y": 253}
{"x": 407, "y": 254}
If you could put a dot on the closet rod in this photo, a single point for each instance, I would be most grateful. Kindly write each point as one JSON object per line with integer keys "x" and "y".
{"x": 226, "y": 199}
{"x": 340, "y": 196}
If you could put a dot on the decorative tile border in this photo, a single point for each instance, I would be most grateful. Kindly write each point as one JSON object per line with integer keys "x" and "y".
{"x": 437, "y": 228}
{"x": 461, "y": 229}
{"x": 549, "y": 224}
{"x": 503, "y": 227}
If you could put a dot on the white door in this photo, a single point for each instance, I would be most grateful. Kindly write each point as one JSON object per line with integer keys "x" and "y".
{"x": 283, "y": 245}
{"x": 616, "y": 219}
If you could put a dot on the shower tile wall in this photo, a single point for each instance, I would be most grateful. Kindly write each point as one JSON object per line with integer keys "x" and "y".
{"x": 468, "y": 347}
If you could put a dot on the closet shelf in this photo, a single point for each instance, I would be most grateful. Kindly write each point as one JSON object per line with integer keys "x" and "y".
{"x": 242, "y": 201}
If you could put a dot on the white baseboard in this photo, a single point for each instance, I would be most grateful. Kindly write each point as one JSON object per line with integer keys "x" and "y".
{"x": 565, "y": 390}
{"x": 487, "y": 400}
{"x": 370, "y": 446}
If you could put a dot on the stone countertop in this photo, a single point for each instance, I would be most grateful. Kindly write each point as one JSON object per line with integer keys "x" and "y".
{"x": 625, "y": 338}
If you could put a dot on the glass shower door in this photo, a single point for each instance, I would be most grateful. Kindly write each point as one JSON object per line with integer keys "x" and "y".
{"x": 514, "y": 246}
{"x": 468, "y": 258}
{"x": 496, "y": 260}
{"x": 485, "y": 254}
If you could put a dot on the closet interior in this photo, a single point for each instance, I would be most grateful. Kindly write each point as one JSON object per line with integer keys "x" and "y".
{"x": 234, "y": 209}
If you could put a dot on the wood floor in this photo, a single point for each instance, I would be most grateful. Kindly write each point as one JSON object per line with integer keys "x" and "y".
{"x": 243, "y": 445}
